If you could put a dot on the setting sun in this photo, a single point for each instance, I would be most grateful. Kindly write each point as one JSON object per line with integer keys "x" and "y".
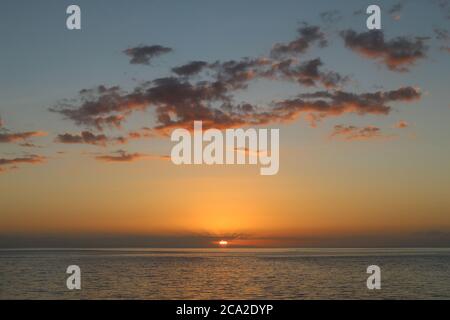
{"x": 223, "y": 243}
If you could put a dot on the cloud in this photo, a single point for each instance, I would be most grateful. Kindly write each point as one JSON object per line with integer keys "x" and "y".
{"x": 177, "y": 103}
{"x": 321, "y": 104}
{"x": 123, "y": 156}
{"x": 20, "y": 136}
{"x": 397, "y": 54}
{"x": 144, "y": 54}
{"x": 171, "y": 97}
{"x": 29, "y": 159}
{"x": 401, "y": 124}
{"x": 85, "y": 137}
{"x": 308, "y": 73}
{"x": 190, "y": 68}
{"x": 235, "y": 74}
{"x": 7, "y": 136}
{"x": 179, "y": 100}
{"x": 101, "y": 106}
{"x": 308, "y": 36}
{"x": 352, "y": 133}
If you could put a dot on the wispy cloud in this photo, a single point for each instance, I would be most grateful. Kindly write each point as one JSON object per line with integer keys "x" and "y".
{"x": 6, "y": 136}
{"x": 123, "y": 156}
{"x": 13, "y": 162}
{"x": 353, "y": 133}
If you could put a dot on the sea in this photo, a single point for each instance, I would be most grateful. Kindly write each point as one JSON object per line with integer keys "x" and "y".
{"x": 225, "y": 273}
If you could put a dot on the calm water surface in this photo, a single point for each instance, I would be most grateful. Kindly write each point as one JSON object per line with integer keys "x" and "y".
{"x": 225, "y": 273}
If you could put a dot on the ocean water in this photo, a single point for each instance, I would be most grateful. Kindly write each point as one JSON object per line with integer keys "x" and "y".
{"x": 225, "y": 273}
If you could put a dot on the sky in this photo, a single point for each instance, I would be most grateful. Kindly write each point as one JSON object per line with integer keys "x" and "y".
{"x": 86, "y": 116}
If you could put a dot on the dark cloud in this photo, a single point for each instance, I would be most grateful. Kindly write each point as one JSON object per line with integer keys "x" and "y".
{"x": 308, "y": 73}
{"x": 308, "y": 36}
{"x": 175, "y": 100}
{"x": 120, "y": 156}
{"x": 321, "y": 104}
{"x": 84, "y": 137}
{"x": 144, "y": 54}
{"x": 87, "y": 137}
{"x": 190, "y": 69}
{"x": 178, "y": 103}
{"x": 179, "y": 100}
{"x": 101, "y": 106}
{"x": 235, "y": 74}
{"x": 397, "y": 54}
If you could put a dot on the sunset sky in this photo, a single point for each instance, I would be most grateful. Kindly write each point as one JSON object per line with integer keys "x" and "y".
{"x": 86, "y": 119}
